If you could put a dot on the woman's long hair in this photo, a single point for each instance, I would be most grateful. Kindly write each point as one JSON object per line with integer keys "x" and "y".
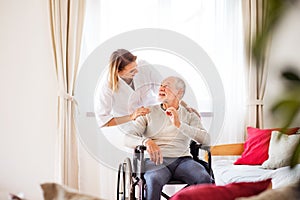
{"x": 118, "y": 60}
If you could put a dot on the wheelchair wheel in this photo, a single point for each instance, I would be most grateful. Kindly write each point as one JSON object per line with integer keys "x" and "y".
{"x": 125, "y": 191}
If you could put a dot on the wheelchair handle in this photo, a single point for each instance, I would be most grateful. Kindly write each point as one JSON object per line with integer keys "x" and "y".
{"x": 140, "y": 149}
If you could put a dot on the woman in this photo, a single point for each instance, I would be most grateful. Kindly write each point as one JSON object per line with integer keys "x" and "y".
{"x": 130, "y": 87}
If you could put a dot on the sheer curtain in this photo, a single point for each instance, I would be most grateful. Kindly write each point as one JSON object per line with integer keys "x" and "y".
{"x": 220, "y": 32}
{"x": 215, "y": 25}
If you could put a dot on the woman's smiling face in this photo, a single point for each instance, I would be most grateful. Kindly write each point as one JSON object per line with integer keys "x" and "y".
{"x": 129, "y": 71}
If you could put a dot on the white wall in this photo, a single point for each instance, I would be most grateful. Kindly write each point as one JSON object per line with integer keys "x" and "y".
{"x": 28, "y": 98}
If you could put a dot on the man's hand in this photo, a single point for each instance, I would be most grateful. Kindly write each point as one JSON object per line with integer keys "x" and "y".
{"x": 173, "y": 114}
{"x": 154, "y": 152}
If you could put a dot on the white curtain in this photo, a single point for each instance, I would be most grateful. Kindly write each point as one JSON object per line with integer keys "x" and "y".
{"x": 220, "y": 33}
{"x": 257, "y": 70}
{"x": 66, "y": 26}
{"x": 216, "y": 25}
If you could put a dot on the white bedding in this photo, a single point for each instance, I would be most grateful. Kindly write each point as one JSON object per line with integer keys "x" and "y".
{"x": 226, "y": 172}
{"x": 283, "y": 176}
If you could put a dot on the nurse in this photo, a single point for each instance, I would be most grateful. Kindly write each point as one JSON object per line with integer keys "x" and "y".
{"x": 125, "y": 90}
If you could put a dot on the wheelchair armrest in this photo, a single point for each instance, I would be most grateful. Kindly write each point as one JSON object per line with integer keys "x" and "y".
{"x": 195, "y": 147}
{"x": 202, "y": 146}
{"x": 205, "y": 147}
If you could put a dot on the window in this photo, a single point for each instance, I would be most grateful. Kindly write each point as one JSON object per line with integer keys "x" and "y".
{"x": 215, "y": 25}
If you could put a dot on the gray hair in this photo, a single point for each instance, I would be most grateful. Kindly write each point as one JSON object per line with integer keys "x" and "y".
{"x": 179, "y": 84}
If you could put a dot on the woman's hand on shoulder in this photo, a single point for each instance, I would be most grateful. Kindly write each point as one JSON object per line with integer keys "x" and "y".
{"x": 190, "y": 109}
{"x": 142, "y": 111}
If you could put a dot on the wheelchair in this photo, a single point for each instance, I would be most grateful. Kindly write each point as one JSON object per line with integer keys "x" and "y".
{"x": 131, "y": 183}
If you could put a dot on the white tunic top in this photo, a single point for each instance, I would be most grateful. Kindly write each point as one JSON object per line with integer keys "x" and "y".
{"x": 173, "y": 141}
{"x": 108, "y": 104}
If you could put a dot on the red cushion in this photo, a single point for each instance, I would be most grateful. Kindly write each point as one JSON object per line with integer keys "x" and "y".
{"x": 257, "y": 145}
{"x": 227, "y": 192}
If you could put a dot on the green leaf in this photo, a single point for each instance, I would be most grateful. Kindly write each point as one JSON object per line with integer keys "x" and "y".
{"x": 290, "y": 75}
{"x": 286, "y": 110}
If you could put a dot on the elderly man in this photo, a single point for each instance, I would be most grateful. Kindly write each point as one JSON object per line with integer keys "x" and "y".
{"x": 166, "y": 132}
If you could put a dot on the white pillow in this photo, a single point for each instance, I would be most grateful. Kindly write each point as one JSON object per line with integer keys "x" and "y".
{"x": 280, "y": 150}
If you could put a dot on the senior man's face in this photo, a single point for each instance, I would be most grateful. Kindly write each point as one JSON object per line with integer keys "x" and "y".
{"x": 167, "y": 91}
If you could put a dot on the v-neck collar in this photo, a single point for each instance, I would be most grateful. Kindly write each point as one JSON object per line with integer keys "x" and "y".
{"x": 124, "y": 82}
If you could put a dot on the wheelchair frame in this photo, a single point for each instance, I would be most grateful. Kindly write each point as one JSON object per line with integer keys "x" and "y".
{"x": 131, "y": 182}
